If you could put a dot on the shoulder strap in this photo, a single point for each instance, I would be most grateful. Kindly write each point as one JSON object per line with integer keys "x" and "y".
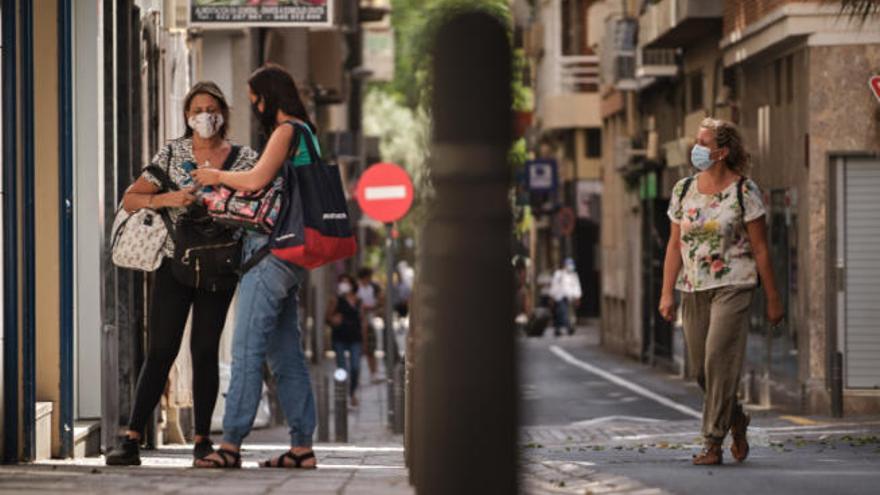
{"x": 164, "y": 176}
{"x": 167, "y": 183}
{"x": 684, "y": 188}
{"x": 303, "y": 131}
{"x": 232, "y": 157}
{"x": 255, "y": 258}
{"x": 740, "y": 199}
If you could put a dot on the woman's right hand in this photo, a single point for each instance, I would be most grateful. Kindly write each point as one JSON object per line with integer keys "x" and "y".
{"x": 667, "y": 307}
{"x": 175, "y": 199}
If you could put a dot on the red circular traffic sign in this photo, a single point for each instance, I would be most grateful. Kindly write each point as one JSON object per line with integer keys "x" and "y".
{"x": 385, "y": 192}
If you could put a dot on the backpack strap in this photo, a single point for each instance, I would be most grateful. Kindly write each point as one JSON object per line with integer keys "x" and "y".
{"x": 740, "y": 199}
{"x": 684, "y": 190}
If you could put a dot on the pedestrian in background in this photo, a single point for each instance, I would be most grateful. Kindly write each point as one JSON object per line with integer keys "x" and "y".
{"x": 370, "y": 295}
{"x": 565, "y": 289}
{"x": 204, "y": 144}
{"x": 717, "y": 249}
{"x": 267, "y": 325}
{"x": 344, "y": 315}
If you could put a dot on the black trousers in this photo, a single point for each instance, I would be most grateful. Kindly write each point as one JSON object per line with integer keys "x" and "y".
{"x": 169, "y": 308}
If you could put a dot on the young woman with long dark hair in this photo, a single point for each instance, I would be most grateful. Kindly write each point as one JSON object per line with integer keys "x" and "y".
{"x": 266, "y": 325}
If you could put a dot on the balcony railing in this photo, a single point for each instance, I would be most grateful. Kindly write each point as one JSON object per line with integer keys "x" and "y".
{"x": 656, "y": 62}
{"x": 578, "y": 74}
{"x": 673, "y": 23}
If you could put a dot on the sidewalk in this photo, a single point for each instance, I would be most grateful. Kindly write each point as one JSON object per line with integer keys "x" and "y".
{"x": 371, "y": 464}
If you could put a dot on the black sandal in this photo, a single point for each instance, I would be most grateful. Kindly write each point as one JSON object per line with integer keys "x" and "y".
{"x": 278, "y": 462}
{"x": 224, "y": 454}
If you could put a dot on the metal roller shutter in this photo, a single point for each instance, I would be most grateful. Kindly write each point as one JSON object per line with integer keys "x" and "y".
{"x": 862, "y": 217}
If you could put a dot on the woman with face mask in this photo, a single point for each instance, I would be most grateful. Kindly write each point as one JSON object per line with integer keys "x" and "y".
{"x": 204, "y": 145}
{"x": 716, "y": 253}
{"x": 266, "y": 325}
{"x": 345, "y": 317}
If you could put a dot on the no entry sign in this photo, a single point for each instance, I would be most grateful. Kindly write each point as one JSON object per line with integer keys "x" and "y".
{"x": 385, "y": 192}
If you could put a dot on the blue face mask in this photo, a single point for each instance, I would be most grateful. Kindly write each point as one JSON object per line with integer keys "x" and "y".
{"x": 700, "y": 157}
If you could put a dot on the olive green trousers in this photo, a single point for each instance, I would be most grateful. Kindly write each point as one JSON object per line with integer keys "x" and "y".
{"x": 715, "y": 330}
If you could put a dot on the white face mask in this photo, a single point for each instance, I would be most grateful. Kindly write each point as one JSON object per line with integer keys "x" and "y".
{"x": 206, "y": 124}
{"x": 343, "y": 288}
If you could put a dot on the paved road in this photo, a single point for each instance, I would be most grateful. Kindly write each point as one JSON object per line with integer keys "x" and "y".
{"x": 599, "y": 423}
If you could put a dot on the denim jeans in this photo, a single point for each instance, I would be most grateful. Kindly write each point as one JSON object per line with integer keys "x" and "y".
{"x": 561, "y": 318}
{"x": 354, "y": 371}
{"x": 267, "y": 328}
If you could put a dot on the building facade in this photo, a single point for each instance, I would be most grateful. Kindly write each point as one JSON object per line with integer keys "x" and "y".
{"x": 90, "y": 91}
{"x": 793, "y": 75}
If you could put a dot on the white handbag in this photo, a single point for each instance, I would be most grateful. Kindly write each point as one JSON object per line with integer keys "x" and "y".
{"x": 138, "y": 239}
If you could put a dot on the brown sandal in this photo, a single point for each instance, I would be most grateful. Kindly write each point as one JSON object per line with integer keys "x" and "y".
{"x": 230, "y": 460}
{"x": 739, "y": 448}
{"x": 711, "y": 455}
{"x": 278, "y": 462}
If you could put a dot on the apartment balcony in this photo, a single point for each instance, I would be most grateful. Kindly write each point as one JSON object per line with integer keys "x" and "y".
{"x": 677, "y": 23}
{"x": 618, "y": 56}
{"x": 656, "y": 63}
{"x": 569, "y": 95}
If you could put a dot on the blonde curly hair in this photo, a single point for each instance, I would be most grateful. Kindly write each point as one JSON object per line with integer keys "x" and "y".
{"x": 727, "y": 135}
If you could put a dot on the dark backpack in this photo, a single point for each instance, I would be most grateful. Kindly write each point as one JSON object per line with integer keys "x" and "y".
{"x": 207, "y": 255}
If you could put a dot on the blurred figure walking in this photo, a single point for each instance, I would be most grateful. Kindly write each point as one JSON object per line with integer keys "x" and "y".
{"x": 565, "y": 289}
{"x": 345, "y": 318}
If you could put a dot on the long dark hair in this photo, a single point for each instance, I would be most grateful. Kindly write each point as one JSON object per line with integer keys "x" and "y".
{"x": 275, "y": 87}
{"x": 211, "y": 89}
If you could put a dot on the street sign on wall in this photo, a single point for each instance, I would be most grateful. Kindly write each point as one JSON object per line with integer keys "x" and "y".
{"x": 254, "y": 13}
{"x": 385, "y": 192}
{"x": 542, "y": 175}
{"x": 874, "y": 83}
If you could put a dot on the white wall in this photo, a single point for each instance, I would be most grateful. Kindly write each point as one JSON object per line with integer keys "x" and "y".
{"x": 87, "y": 215}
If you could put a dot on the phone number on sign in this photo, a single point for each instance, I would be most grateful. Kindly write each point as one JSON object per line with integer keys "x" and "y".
{"x": 259, "y": 14}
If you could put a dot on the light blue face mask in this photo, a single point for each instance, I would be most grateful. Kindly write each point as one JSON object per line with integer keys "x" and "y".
{"x": 700, "y": 157}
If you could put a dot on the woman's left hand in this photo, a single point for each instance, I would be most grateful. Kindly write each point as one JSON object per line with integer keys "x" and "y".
{"x": 775, "y": 311}
{"x": 207, "y": 176}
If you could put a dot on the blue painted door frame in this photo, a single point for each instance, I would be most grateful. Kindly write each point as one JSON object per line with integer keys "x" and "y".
{"x": 10, "y": 234}
{"x": 65, "y": 216}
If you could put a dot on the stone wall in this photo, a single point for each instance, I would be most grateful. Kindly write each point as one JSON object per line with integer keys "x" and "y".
{"x": 844, "y": 118}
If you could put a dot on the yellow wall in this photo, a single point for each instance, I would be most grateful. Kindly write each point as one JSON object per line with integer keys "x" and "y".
{"x": 46, "y": 214}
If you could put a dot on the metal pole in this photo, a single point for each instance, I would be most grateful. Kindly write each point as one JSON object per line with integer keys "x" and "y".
{"x": 340, "y": 405}
{"x": 322, "y": 384}
{"x": 399, "y": 398}
{"x": 837, "y": 384}
{"x": 388, "y": 331}
{"x": 467, "y": 353}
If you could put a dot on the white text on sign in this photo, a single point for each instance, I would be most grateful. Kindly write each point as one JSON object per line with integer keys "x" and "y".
{"x": 384, "y": 192}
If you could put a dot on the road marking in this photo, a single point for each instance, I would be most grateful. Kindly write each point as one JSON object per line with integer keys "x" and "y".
{"x": 605, "y": 419}
{"x": 800, "y": 420}
{"x": 633, "y": 387}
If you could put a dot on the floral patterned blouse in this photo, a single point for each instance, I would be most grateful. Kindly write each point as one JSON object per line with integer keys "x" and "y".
{"x": 715, "y": 247}
{"x": 172, "y": 157}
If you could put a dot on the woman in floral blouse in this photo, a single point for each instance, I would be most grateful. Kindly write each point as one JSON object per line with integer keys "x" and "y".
{"x": 717, "y": 250}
